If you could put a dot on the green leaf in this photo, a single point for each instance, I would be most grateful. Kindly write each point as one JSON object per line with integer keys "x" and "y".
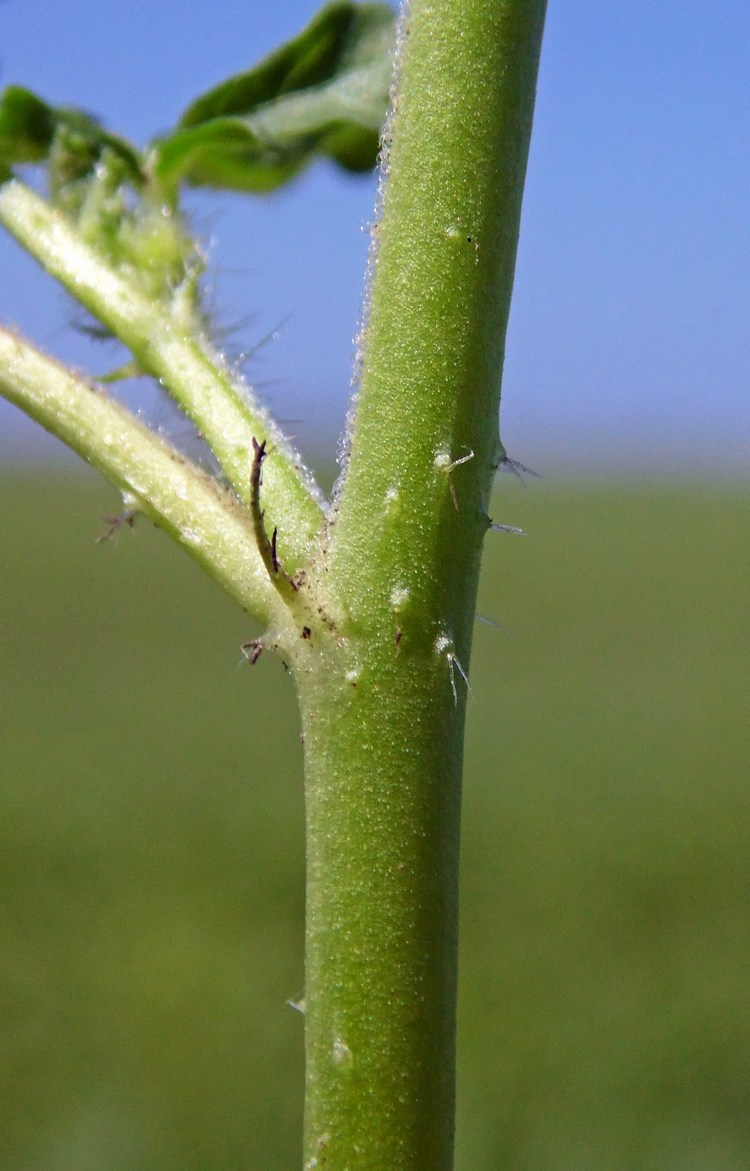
{"x": 31, "y": 131}
{"x": 26, "y": 127}
{"x": 323, "y": 93}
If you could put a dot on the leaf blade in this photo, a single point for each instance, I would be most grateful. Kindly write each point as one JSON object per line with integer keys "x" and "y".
{"x": 324, "y": 93}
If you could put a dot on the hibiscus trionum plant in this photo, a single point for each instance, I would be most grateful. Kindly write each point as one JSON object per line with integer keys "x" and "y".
{"x": 369, "y": 597}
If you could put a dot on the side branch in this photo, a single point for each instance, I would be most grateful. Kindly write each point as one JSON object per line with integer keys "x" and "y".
{"x": 170, "y": 349}
{"x": 205, "y": 518}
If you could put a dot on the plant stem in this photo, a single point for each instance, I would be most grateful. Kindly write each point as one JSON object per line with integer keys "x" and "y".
{"x": 383, "y": 720}
{"x": 382, "y": 820}
{"x": 201, "y": 515}
{"x": 377, "y": 624}
{"x": 172, "y": 350}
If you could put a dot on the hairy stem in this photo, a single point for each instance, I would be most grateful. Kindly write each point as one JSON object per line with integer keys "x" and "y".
{"x": 180, "y": 357}
{"x": 384, "y": 723}
{"x": 206, "y": 519}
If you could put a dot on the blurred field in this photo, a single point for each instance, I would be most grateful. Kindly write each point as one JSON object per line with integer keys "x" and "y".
{"x": 151, "y": 853}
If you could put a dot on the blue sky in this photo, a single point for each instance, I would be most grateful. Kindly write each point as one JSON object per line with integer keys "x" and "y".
{"x": 628, "y": 346}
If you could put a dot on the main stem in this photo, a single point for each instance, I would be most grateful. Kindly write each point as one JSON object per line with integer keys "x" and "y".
{"x": 382, "y": 686}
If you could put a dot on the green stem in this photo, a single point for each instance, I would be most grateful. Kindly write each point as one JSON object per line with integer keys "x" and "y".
{"x": 206, "y": 519}
{"x": 383, "y": 722}
{"x": 167, "y": 347}
{"x": 377, "y": 625}
{"x": 382, "y": 800}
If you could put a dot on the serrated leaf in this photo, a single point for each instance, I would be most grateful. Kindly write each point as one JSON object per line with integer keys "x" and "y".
{"x": 323, "y": 93}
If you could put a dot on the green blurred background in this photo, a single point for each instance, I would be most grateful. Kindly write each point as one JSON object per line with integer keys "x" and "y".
{"x": 151, "y": 845}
